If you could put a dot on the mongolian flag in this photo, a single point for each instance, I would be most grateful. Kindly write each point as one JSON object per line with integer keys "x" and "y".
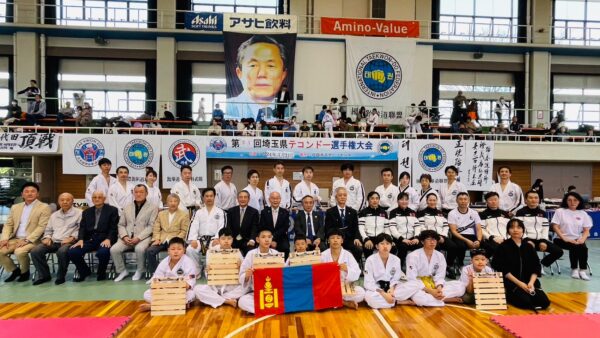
{"x": 297, "y": 288}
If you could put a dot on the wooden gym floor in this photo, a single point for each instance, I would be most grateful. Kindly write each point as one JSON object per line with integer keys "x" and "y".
{"x": 203, "y": 321}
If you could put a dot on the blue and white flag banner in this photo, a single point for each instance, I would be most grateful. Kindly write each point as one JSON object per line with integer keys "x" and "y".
{"x": 302, "y": 148}
{"x": 81, "y": 153}
{"x": 183, "y": 150}
{"x": 137, "y": 152}
{"x": 474, "y": 160}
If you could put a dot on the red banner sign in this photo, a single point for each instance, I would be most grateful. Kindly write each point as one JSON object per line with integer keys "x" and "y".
{"x": 370, "y": 27}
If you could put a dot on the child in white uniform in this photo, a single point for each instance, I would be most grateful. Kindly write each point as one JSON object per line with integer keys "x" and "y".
{"x": 349, "y": 269}
{"x": 479, "y": 263}
{"x": 382, "y": 274}
{"x": 217, "y": 295}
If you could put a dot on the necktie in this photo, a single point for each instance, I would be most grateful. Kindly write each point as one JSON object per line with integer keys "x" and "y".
{"x": 98, "y": 211}
{"x": 311, "y": 232}
{"x": 242, "y": 211}
{"x": 343, "y": 218}
{"x": 275, "y": 212}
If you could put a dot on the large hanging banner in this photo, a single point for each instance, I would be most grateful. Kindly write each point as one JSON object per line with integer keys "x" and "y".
{"x": 379, "y": 72}
{"x": 474, "y": 160}
{"x": 178, "y": 151}
{"x": 302, "y": 148}
{"x": 259, "y": 59}
{"x": 81, "y": 153}
{"x": 137, "y": 153}
{"x": 28, "y": 143}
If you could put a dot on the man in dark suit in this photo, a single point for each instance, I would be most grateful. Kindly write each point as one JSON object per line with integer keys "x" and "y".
{"x": 243, "y": 222}
{"x": 309, "y": 222}
{"x": 278, "y": 220}
{"x": 283, "y": 100}
{"x": 97, "y": 231}
{"x": 346, "y": 219}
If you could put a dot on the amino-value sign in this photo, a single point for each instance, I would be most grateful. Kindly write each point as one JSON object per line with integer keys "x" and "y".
{"x": 370, "y": 27}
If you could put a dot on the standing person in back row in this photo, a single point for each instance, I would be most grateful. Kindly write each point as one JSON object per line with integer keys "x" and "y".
{"x": 355, "y": 189}
{"x": 188, "y": 192}
{"x": 388, "y": 191}
{"x": 511, "y": 195}
{"x": 307, "y": 188}
{"x": 279, "y": 184}
{"x": 101, "y": 182}
{"x": 226, "y": 191}
{"x": 121, "y": 193}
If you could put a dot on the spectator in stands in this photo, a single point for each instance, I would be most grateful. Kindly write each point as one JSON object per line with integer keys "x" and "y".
{"x": 250, "y": 129}
{"x": 304, "y": 129}
{"x": 471, "y": 127}
{"x": 459, "y": 105}
{"x": 215, "y": 128}
{"x": 344, "y": 107}
{"x": 36, "y": 111}
{"x": 423, "y": 110}
{"x": 322, "y": 113}
{"x": 283, "y": 101}
{"x": 86, "y": 105}
{"x": 473, "y": 111}
{"x": 264, "y": 128}
{"x": 65, "y": 112}
{"x": 563, "y": 132}
{"x": 362, "y": 114}
{"x": 217, "y": 113}
{"x": 558, "y": 120}
{"x": 551, "y": 135}
{"x": 318, "y": 129}
{"x": 229, "y": 129}
{"x": 589, "y": 135}
{"x": 515, "y": 126}
{"x": 201, "y": 110}
{"x": 412, "y": 126}
{"x": 373, "y": 120}
{"x": 14, "y": 110}
{"x": 328, "y": 122}
{"x": 240, "y": 128}
{"x": 333, "y": 107}
{"x": 84, "y": 118}
{"x": 343, "y": 125}
{"x": 31, "y": 92}
{"x": 499, "y": 107}
{"x": 292, "y": 110}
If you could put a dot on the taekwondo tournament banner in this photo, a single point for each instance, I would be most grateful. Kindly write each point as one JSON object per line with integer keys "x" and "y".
{"x": 297, "y": 148}
{"x": 370, "y": 27}
{"x": 137, "y": 153}
{"x": 474, "y": 160}
{"x": 259, "y": 59}
{"x": 81, "y": 153}
{"x": 298, "y": 288}
{"x": 181, "y": 150}
{"x": 379, "y": 72}
{"x": 28, "y": 143}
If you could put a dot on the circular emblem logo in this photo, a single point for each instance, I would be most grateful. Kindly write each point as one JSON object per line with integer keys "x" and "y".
{"x": 379, "y": 75}
{"x": 432, "y": 157}
{"x": 184, "y": 152}
{"x": 88, "y": 151}
{"x": 138, "y": 153}
{"x": 389, "y": 196}
{"x": 218, "y": 144}
{"x": 385, "y": 147}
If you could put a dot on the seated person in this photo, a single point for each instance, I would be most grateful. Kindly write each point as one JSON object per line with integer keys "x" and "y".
{"x": 465, "y": 226}
{"x": 515, "y": 127}
{"x": 478, "y": 264}
{"x": 61, "y": 232}
{"x": 177, "y": 264}
{"x": 349, "y": 269}
{"x": 300, "y": 246}
{"x": 217, "y": 295}
{"x": 97, "y": 232}
{"x": 537, "y": 227}
{"x": 169, "y": 223}
{"x": 425, "y": 271}
{"x": 22, "y": 232}
{"x": 372, "y": 221}
{"x": 310, "y": 224}
{"x": 214, "y": 129}
{"x": 520, "y": 267}
{"x": 264, "y": 239}
{"x": 135, "y": 233}
{"x": 278, "y": 219}
{"x": 493, "y": 223}
{"x": 304, "y": 129}
{"x": 403, "y": 222}
{"x": 243, "y": 222}
{"x": 382, "y": 274}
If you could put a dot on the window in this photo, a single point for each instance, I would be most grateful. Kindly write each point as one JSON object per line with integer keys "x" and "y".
{"x": 3, "y": 12}
{"x": 577, "y": 22}
{"x": 210, "y": 100}
{"x": 107, "y": 103}
{"x": 479, "y": 20}
{"x": 577, "y": 95}
{"x": 236, "y": 6}
{"x": 103, "y": 13}
{"x": 378, "y": 9}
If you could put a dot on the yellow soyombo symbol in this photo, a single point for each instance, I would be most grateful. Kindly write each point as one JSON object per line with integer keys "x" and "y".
{"x": 268, "y": 296}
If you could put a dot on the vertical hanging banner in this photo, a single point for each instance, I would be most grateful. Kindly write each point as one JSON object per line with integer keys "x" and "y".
{"x": 474, "y": 160}
{"x": 404, "y": 157}
{"x": 259, "y": 60}
{"x": 178, "y": 151}
{"x": 379, "y": 72}
{"x": 137, "y": 153}
{"x": 81, "y": 153}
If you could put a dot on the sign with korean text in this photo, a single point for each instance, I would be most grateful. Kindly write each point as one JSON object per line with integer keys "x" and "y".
{"x": 28, "y": 143}
{"x": 302, "y": 148}
{"x": 204, "y": 21}
{"x": 181, "y": 150}
{"x": 370, "y": 27}
{"x": 260, "y": 23}
{"x": 138, "y": 152}
{"x": 81, "y": 153}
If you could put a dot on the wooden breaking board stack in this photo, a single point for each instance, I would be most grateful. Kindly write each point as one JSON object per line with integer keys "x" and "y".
{"x": 305, "y": 258}
{"x": 489, "y": 291}
{"x": 168, "y": 296}
{"x": 348, "y": 289}
{"x": 224, "y": 267}
{"x": 268, "y": 261}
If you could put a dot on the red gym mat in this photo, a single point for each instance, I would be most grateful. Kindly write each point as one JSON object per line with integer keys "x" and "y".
{"x": 88, "y": 327}
{"x": 544, "y": 326}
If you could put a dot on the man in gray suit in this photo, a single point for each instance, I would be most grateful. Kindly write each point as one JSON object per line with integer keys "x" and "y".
{"x": 135, "y": 232}
{"x": 310, "y": 223}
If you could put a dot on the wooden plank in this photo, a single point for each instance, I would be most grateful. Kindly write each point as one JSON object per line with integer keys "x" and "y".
{"x": 224, "y": 272}
{"x": 168, "y": 313}
{"x": 490, "y": 307}
{"x": 491, "y": 301}
{"x": 483, "y": 291}
{"x": 223, "y": 282}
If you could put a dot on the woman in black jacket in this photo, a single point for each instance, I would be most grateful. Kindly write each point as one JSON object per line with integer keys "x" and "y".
{"x": 520, "y": 266}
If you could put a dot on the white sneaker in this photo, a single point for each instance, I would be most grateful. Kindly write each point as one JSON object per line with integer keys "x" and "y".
{"x": 122, "y": 276}
{"x": 575, "y": 273}
{"x": 583, "y": 275}
{"x": 543, "y": 271}
{"x": 137, "y": 275}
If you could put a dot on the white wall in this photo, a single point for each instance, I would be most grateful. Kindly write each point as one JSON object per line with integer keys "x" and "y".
{"x": 422, "y": 74}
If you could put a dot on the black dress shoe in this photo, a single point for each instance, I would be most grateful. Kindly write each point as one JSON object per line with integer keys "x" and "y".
{"x": 59, "y": 281}
{"x": 16, "y": 273}
{"x": 24, "y": 277}
{"x": 42, "y": 281}
{"x": 82, "y": 277}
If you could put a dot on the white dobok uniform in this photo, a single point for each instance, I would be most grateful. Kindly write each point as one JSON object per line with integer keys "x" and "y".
{"x": 246, "y": 302}
{"x": 184, "y": 268}
{"x": 216, "y": 295}
{"x": 351, "y": 276}
{"x": 375, "y": 271}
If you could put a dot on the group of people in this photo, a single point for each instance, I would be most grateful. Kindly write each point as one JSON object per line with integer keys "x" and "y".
{"x": 395, "y": 227}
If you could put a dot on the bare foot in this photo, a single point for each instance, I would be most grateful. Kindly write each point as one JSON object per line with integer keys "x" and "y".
{"x": 231, "y": 302}
{"x": 453, "y": 300}
{"x": 351, "y": 304}
{"x": 145, "y": 307}
{"x": 406, "y": 302}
